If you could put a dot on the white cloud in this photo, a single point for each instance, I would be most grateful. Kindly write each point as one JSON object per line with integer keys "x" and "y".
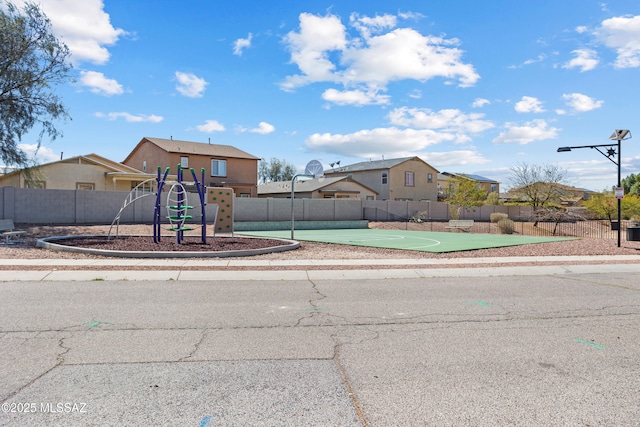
{"x": 581, "y": 29}
{"x": 406, "y": 54}
{"x": 324, "y": 52}
{"x": 448, "y": 120}
{"x": 415, "y": 94}
{"x": 455, "y": 158}
{"x": 585, "y": 59}
{"x": 190, "y": 85}
{"x": 367, "y": 25}
{"x": 39, "y": 154}
{"x": 241, "y": 44}
{"x": 391, "y": 142}
{"x": 354, "y": 97}
{"x": 622, "y": 33}
{"x": 529, "y": 104}
{"x": 210, "y": 126}
{"x": 581, "y": 103}
{"x": 263, "y": 128}
{"x": 84, "y": 26}
{"x": 98, "y": 83}
{"x": 536, "y": 130}
{"x": 540, "y": 58}
{"x": 480, "y": 102}
{"x": 131, "y": 118}
{"x": 310, "y": 49}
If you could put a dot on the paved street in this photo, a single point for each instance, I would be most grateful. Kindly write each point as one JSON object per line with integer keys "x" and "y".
{"x": 484, "y": 347}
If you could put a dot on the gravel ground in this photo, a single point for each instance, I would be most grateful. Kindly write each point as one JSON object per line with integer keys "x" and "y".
{"x": 308, "y": 250}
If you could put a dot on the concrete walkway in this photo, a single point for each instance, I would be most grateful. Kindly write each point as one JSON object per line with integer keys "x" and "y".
{"x": 204, "y": 269}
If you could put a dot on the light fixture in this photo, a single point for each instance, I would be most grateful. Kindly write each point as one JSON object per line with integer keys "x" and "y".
{"x": 620, "y": 135}
{"x": 612, "y": 149}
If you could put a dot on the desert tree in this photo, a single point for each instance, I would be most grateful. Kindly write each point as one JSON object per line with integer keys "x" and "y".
{"x": 32, "y": 61}
{"x": 465, "y": 193}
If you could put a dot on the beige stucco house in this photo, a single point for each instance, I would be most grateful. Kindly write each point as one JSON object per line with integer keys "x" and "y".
{"x": 339, "y": 187}
{"x": 224, "y": 165}
{"x": 408, "y": 178}
{"x": 88, "y": 172}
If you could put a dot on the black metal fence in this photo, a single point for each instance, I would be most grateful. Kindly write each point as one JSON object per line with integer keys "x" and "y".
{"x": 600, "y": 229}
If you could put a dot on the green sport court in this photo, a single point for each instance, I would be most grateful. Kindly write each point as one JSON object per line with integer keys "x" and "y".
{"x": 423, "y": 241}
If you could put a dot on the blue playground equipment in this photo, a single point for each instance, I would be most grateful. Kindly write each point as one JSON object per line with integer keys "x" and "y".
{"x": 177, "y": 206}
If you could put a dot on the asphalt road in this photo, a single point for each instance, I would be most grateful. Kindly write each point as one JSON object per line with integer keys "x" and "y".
{"x": 560, "y": 349}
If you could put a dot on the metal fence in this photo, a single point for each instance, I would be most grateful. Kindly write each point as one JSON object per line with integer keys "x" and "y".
{"x": 601, "y": 229}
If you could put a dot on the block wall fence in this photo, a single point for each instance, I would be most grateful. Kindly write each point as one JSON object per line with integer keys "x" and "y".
{"x": 64, "y": 207}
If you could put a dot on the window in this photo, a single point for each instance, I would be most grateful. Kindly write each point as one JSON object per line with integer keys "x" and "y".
{"x": 184, "y": 162}
{"x": 494, "y": 188}
{"x": 85, "y": 186}
{"x": 385, "y": 178}
{"x": 408, "y": 179}
{"x": 218, "y": 168}
{"x": 429, "y": 177}
{"x": 245, "y": 195}
{"x": 144, "y": 166}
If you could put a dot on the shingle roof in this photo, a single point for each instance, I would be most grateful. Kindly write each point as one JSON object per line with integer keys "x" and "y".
{"x": 371, "y": 165}
{"x": 188, "y": 147}
{"x": 308, "y": 185}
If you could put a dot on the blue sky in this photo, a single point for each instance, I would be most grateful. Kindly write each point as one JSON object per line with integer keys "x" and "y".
{"x": 469, "y": 86}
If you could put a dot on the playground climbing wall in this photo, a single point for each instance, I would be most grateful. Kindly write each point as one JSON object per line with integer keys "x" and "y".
{"x": 223, "y": 197}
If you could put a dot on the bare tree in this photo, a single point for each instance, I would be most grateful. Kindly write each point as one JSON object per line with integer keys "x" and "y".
{"x": 538, "y": 185}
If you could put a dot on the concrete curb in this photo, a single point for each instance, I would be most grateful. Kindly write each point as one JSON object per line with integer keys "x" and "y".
{"x": 49, "y": 243}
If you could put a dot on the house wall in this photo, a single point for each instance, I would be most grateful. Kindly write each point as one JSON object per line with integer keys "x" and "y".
{"x": 421, "y": 190}
{"x": 354, "y": 190}
{"x": 34, "y": 206}
{"x": 242, "y": 174}
{"x": 65, "y": 176}
{"x": 373, "y": 180}
{"x": 343, "y": 189}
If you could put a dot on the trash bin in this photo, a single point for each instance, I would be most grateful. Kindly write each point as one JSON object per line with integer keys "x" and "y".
{"x": 615, "y": 226}
{"x": 633, "y": 234}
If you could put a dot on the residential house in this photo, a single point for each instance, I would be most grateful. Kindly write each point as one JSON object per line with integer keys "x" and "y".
{"x": 408, "y": 178}
{"x": 339, "y": 187}
{"x": 446, "y": 180}
{"x": 564, "y": 195}
{"x": 89, "y": 172}
{"x": 224, "y": 165}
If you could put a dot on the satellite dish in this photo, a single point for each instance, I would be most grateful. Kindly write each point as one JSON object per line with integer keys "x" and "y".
{"x": 314, "y": 168}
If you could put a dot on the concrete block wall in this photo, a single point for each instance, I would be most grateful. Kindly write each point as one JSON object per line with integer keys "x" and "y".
{"x": 34, "y": 206}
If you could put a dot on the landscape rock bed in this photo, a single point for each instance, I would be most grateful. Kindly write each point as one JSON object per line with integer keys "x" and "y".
{"x": 167, "y": 244}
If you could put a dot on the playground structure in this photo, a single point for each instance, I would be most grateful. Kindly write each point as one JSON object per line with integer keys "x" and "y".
{"x": 177, "y": 205}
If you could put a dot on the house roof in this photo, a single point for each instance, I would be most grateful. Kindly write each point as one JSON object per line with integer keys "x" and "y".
{"x": 476, "y": 178}
{"x": 195, "y": 148}
{"x": 372, "y": 165}
{"x": 305, "y": 186}
{"x": 110, "y": 165}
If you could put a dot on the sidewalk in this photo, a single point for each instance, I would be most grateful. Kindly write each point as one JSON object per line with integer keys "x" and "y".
{"x": 206, "y": 269}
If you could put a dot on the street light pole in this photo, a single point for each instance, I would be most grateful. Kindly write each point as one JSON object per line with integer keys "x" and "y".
{"x": 617, "y": 135}
{"x": 619, "y": 198}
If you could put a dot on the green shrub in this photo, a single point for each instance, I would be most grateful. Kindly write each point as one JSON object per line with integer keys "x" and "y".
{"x": 506, "y": 226}
{"x": 497, "y": 217}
